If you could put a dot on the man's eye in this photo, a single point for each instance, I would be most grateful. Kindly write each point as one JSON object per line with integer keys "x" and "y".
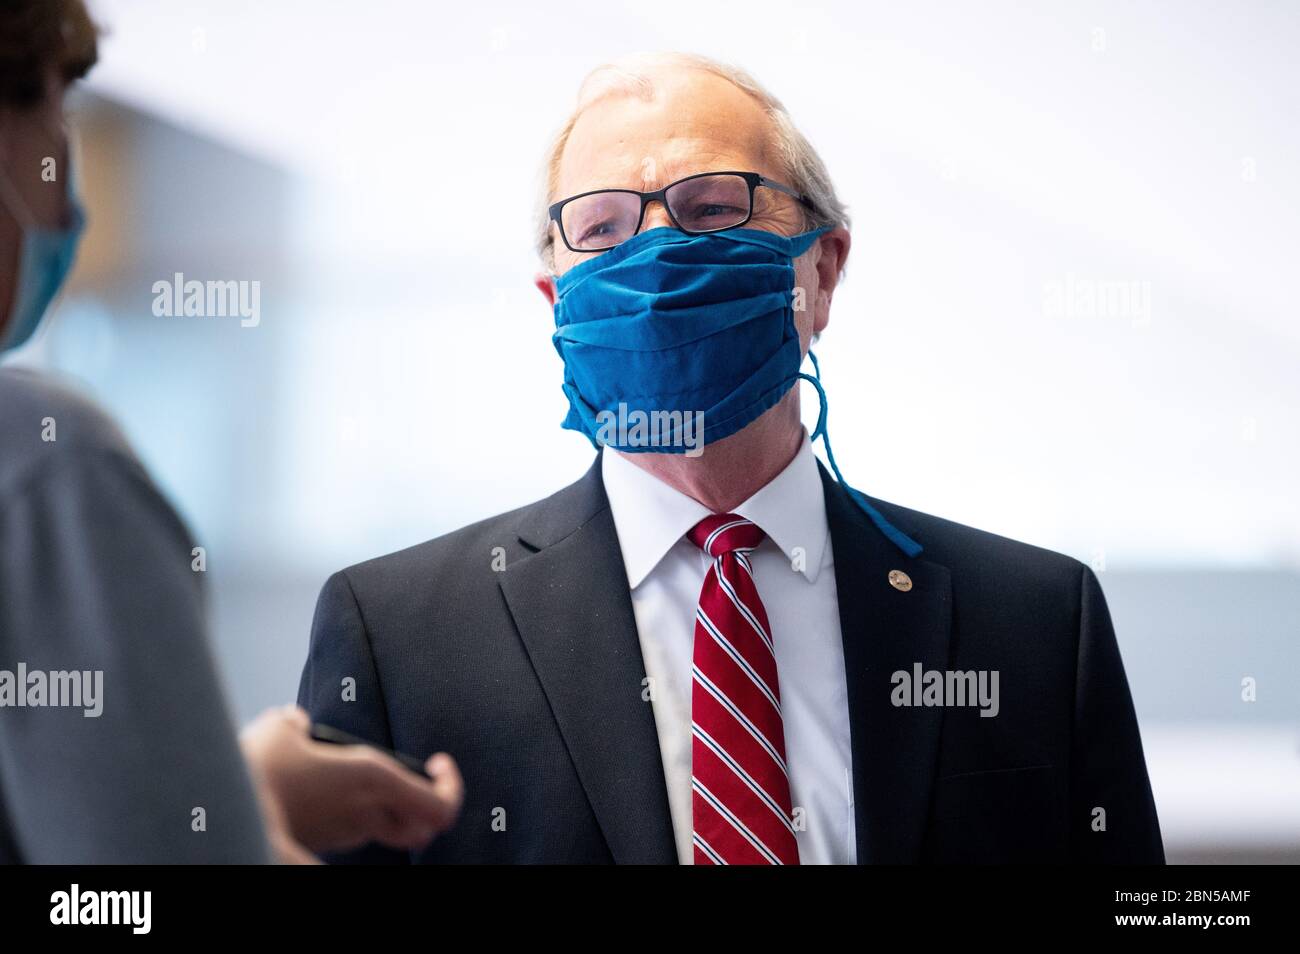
{"x": 713, "y": 215}
{"x": 598, "y": 230}
{"x": 714, "y": 210}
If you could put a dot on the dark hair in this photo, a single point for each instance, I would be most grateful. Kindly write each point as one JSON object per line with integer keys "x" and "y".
{"x": 37, "y": 36}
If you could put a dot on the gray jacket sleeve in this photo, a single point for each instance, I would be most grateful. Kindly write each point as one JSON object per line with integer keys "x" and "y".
{"x": 95, "y": 577}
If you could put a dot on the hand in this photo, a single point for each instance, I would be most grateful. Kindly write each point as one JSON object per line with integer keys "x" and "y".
{"x": 324, "y": 797}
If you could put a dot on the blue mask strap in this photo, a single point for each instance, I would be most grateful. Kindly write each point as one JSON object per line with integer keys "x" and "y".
{"x": 895, "y": 536}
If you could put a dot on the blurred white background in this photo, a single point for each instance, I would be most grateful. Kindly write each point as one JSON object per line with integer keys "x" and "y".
{"x": 375, "y": 167}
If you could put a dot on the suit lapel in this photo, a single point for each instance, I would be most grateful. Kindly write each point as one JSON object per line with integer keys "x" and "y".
{"x": 887, "y": 630}
{"x": 571, "y": 605}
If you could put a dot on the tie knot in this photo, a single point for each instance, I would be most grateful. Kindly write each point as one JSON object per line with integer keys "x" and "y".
{"x": 724, "y": 532}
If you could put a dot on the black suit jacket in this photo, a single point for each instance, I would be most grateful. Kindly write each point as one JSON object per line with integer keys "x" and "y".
{"x": 531, "y": 676}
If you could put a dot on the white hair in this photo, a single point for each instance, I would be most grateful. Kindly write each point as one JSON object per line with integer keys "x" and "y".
{"x": 634, "y": 75}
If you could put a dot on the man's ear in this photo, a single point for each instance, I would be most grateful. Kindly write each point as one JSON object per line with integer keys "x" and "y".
{"x": 545, "y": 283}
{"x": 833, "y": 253}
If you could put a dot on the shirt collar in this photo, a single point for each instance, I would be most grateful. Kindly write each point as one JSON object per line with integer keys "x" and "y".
{"x": 791, "y": 509}
{"x": 650, "y": 516}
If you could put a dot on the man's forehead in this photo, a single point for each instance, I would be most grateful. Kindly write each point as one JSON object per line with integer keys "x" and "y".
{"x": 696, "y": 122}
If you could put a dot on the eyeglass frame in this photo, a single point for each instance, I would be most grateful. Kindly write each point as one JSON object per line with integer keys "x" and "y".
{"x": 752, "y": 179}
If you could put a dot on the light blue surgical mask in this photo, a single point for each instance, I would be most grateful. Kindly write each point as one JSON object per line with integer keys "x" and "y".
{"x": 691, "y": 328}
{"x": 44, "y": 261}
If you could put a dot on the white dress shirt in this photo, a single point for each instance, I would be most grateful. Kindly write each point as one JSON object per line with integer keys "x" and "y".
{"x": 795, "y": 573}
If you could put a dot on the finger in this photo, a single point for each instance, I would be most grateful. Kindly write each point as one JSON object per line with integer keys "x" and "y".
{"x": 297, "y": 716}
{"x": 260, "y": 725}
{"x": 447, "y": 781}
{"x": 412, "y": 798}
{"x": 397, "y": 832}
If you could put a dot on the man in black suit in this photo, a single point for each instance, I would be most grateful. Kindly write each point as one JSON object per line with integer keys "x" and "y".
{"x": 939, "y": 694}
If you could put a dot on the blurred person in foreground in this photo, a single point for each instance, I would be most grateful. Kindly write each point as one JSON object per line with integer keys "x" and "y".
{"x": 707, "y": 649}
{"x": 116, "y": 744}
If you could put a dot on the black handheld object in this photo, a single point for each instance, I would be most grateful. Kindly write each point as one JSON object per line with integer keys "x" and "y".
{"x": 327, "y": 733}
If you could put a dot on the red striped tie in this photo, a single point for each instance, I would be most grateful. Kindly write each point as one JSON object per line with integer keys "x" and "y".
{"x": 740, "y": 794}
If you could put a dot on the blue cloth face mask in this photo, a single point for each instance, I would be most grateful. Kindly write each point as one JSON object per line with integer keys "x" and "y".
{"x": 44, "y": 262}
{"x": 683, "y": 329}
{"x": 673, "y": 341}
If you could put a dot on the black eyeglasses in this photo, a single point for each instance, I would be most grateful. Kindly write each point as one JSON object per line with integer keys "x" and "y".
{"x": 702, "y": 203}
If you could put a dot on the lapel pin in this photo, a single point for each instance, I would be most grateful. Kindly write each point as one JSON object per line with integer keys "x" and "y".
{"x": 900, "y": 580}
